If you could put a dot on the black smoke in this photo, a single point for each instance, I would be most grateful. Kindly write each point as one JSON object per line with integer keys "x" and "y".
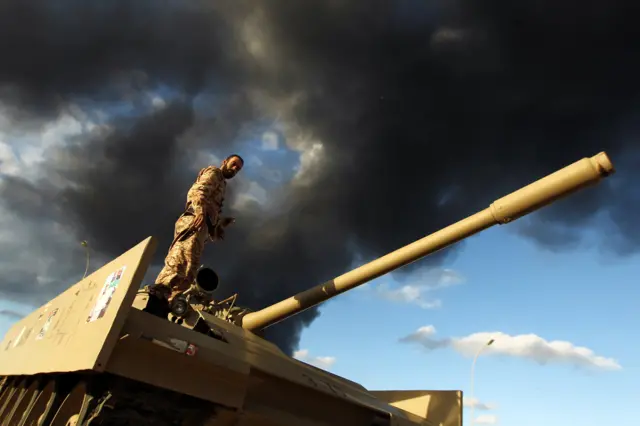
{"x": 426, "y": 111}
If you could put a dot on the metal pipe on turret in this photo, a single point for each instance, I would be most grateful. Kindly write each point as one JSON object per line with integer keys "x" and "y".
{"x": 580, "y": 174}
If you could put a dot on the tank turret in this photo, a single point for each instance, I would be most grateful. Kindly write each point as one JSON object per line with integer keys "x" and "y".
{"x": 580, "y": 174}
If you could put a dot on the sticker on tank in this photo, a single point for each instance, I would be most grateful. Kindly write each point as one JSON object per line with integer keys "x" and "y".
{"x": 106, "y": 294}
{"x": 46, "y": 325}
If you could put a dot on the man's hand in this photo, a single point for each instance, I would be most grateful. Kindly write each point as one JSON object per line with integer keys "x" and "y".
{"x": 198, "y": 221}
{"x": 218, "y": 231}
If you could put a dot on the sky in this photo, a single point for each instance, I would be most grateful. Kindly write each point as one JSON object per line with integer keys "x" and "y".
{"x": 364, "y": 125}
{"x": 562, "y": 323}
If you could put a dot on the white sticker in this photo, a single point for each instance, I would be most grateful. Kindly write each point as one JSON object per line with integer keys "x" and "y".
{"x": 46, "y": 325}
{"x": 106, "y": 294}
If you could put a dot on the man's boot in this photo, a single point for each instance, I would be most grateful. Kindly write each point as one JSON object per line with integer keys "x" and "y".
{"x": 158, "y": 303}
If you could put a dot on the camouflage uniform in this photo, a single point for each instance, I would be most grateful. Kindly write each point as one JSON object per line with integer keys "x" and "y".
{"x": 206, "y": 195}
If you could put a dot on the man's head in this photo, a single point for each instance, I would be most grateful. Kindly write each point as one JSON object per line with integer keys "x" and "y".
{"x": 231, "y": 166}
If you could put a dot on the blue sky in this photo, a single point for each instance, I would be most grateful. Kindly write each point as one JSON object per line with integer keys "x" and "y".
{"x": 510, "y": 286}
{"x": 499, "y": 284}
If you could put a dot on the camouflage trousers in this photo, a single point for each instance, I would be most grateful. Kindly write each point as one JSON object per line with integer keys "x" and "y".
{"x": 183, "y": 259}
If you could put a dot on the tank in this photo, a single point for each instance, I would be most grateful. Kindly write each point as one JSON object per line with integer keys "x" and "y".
{"x": 98, "y": 353}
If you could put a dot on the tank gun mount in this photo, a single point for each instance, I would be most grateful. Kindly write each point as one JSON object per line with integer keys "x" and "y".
{"x": 199, "y": 294}
{"x": 187, "y": 308}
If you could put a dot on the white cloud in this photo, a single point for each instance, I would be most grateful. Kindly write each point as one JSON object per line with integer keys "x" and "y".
{"x": 409, "y": 294}
{"x": 253, "y": 193}
{"x": 256, "y": 38}
{"x": 475, "y": 403}
{"x": 324, "y": 362}
{"x": 269, "y": 141}
{"x": 486, "y": 419}
{"x": 527, "y": 346}
{"x": 22, "y": 148}
{"x": 311, "y": 158}
{"x": 296, "y": 137}
{"x": 9, "y": 162}
{"x": 67, "y": 125}
{"x": 157, "y": 102}
{"x": 422, "y": 284}
{"x": 201, "y": 159}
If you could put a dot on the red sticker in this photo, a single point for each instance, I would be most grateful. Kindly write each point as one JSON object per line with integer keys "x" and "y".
{"x": 191, "y": 349}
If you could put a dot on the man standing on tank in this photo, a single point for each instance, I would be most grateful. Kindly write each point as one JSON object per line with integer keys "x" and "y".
{"x": 201, "y": 222}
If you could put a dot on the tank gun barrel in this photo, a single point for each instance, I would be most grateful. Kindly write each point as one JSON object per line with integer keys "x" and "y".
{"x": 563, "y": 182}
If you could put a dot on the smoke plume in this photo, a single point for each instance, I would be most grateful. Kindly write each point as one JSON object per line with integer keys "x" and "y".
{"x": 392, "y": 119}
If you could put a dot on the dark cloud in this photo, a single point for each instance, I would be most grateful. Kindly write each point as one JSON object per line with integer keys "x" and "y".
{"x": 12, "y": 315}
{"x": 426, "y": 111}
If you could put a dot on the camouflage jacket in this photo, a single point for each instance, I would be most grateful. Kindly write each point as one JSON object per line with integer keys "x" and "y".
{"x": 207, "y": 194}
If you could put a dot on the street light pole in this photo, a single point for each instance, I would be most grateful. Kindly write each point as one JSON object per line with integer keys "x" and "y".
{"x": 473, "y": 369}
{"x": 85, "y": 244}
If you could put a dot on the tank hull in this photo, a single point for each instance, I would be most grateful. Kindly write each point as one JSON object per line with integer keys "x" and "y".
{"x": 93, "y": 356}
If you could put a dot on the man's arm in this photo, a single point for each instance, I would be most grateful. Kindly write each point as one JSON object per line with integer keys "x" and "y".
{"x": 199, "y": 192}
{"x": 218, "y": 230}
